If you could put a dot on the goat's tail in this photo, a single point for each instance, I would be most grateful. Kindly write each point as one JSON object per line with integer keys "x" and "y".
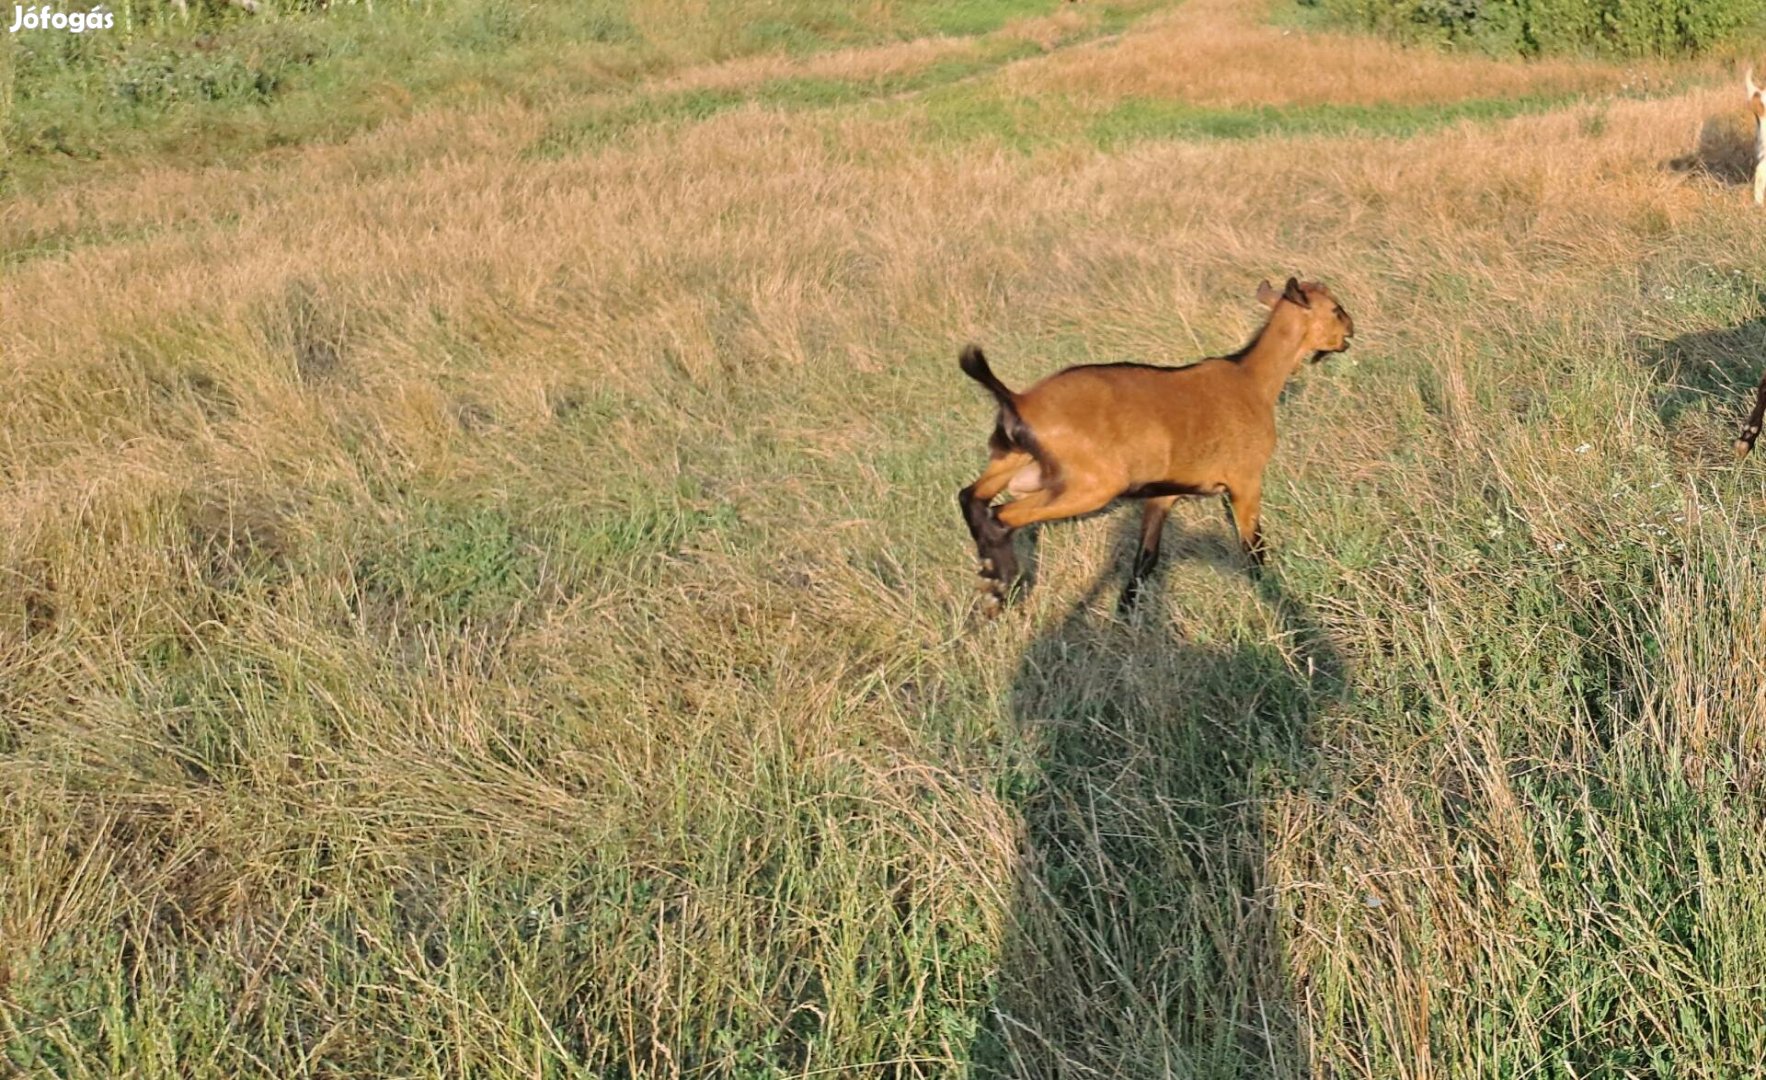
{"x": 974, "y": 365}
{"x": 1012, "y": 432}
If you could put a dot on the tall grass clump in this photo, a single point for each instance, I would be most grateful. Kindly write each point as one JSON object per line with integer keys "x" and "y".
{"x": 1536, "y": 27}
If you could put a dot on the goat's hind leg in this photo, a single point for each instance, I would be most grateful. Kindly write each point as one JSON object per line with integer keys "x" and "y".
{"x": 993, "y": 541}
{"x": 1040, "y": 503}
{"x": 1751, "y": 430}
{"x": 1146, "y": 557}
{"x": 1244, "y": 507}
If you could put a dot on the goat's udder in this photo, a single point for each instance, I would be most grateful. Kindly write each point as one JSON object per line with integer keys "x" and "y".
{"x": 1026, "y": 480}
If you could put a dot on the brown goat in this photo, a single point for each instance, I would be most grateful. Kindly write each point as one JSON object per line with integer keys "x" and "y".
{"x": 1088, "y": 435}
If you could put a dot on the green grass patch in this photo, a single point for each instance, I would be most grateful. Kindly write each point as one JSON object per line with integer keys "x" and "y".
{"x": 625, "y": 539}
{"x": 965, "y": 17}
{"x": 604, "y": 124}
{"x": 963, "y": 115}
{"x": 226, "y": 86}
{"x": 966, "y": 113}
{"x": 970, "y": 17}
{"x": 452, "y": 565}
{"x": 1134, "y": 121}
{"x": 216, "y": 90}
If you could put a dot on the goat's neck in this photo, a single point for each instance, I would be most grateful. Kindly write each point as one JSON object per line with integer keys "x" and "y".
{"x": 1275, "y": 354}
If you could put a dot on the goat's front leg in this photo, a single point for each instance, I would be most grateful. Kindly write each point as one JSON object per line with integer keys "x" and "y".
{"x": 1760, "y": 183}
{"x": 1244, "y": 505}
{"x": 1147, "y": 556}
{"x": 1751, "y": 430}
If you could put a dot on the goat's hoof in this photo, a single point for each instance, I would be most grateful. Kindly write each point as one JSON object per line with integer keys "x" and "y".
{"x": 1742, "y": 446}
{"x": 992, "y": 604}
{"x": 987, "y": 569}
{"x": 993, "y": 595}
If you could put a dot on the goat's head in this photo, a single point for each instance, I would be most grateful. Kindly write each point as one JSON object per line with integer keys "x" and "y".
{"x": 1756, "y": 97}
{"x": 1328, "y": 326}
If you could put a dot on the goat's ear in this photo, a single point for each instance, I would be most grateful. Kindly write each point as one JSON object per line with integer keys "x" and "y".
{"x": 1266, "y": 295}
{"x": 1293, "y": 295}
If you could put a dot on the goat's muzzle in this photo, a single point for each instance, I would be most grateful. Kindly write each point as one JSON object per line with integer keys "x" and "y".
{"x": 1344, "y": 347}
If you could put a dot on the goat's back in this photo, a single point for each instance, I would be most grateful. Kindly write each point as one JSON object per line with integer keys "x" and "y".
{"x": 1139, "y": 423}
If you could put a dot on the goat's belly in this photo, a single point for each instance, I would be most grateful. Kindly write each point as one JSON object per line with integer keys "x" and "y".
{"x": 1157, "y": 488}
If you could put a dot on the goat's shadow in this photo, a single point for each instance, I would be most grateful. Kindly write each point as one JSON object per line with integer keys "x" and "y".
{"x": 1723, "y": 151}
{"x": 1145, "y": 939}
{"x": 1720, "y": 369}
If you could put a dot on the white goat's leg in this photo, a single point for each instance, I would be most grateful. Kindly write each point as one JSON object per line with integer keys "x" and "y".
{"x": 1759, "y": 161}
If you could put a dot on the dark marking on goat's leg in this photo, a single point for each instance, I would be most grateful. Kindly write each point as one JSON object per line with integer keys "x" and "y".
{"x": 978, "y": 515}
{"x": 1044, "y": 504}
{"x": 1003, "y": 559}
{"x": 993, "y": 547}
{"x": 1244, "y": 506}
{"x": 1146, "y": 557}
{"x": 999, "y": 565}
{"x": 993, "y": 544}
{"x": 976, "y": 512}
{"x": 1752, "y": 430}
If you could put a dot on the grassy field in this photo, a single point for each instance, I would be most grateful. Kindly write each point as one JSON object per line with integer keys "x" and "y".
{"x": 482, "y": 593}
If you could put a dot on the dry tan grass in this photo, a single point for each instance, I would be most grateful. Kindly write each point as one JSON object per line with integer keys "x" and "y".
{"x": 239, "y": 388}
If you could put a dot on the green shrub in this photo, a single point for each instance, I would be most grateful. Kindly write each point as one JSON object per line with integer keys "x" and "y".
{"x": 1533, "y": 27}
{"x": 161, "y": 73}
